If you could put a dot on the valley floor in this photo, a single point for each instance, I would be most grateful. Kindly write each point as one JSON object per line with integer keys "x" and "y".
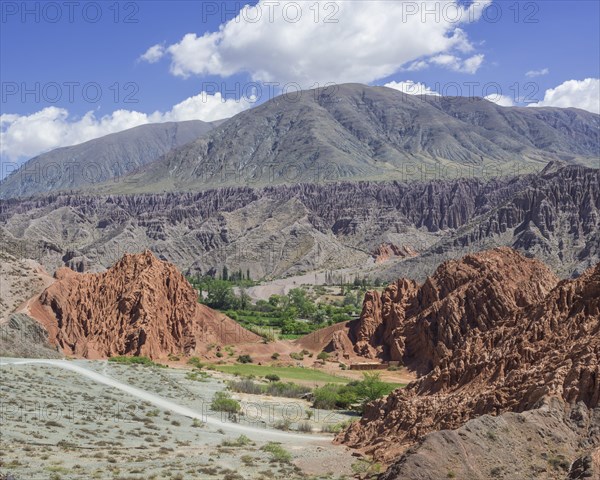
{"x": 81, "y": 419}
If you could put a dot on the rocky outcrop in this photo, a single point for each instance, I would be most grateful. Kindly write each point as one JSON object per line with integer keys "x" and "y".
{"x": 549, "y": 443}
{"x": 140, "y": 306}
{"x": 492, "y": 333}
{"x": 386, "y": 251}
{"x": 22, "y": 336}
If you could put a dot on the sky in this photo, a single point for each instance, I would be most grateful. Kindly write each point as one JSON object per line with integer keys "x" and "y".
{"x": 74, "y": 71}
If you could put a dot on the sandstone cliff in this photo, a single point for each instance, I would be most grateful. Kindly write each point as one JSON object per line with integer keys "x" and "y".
{"x": 492, "y": 333}
{"x": 140, "y": 306}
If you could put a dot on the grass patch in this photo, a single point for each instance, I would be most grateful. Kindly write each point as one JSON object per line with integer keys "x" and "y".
{"x": 285, "y": 373}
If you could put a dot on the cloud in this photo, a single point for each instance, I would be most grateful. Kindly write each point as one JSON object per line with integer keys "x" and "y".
{"x": 502, "y": 100}
{"x": 584, "y": 94}
{"x": 452, "y": 62}
{"x": 153, "y": 54}
{"x": 537, "y": 73}
{"x": 351, "y": 41}
{"x": 412, "y": 88}
{"x": 25, "y": 136}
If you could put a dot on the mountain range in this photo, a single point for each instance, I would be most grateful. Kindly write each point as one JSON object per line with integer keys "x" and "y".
{"x": 347, "y": 132}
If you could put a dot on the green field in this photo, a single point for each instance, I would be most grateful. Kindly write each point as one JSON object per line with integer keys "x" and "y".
{"x": 285, "y": 373}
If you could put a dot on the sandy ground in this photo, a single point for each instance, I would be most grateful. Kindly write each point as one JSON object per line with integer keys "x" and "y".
{"x": 82, "y": 419}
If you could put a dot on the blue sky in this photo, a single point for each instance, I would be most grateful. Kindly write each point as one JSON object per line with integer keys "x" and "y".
{"x": 377, "y": 43}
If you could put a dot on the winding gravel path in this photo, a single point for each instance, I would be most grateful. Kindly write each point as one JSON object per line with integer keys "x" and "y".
{"x": 259, "y": 434}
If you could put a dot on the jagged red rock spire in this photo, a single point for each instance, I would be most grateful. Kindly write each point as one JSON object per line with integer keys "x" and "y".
{"x": 140, "y": 306}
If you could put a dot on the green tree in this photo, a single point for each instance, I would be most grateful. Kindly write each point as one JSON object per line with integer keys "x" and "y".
{"x": 225, "y": 274}
{"x": 372, "y": 387}
{"x": 244, "y": 299}
{"x": 219, "y": 294}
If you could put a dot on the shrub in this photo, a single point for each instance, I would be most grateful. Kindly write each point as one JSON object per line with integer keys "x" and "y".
{"x": 282, "y": 425}
{"x": 297, "y": 356}
{"x": 245, "y": 386}
{"x": 275, "y": 356}
{"x": 305, "y": 427}
{"x": 332, "y": 396}
{"x": 195, "y": 362}
{"x": 326, "y": 397}
{"x": 197, "y": 376}
{"x": 222, "y": 402}
{"x": 241, "y": 441}
{"x": 278, "y": 453}
{"x": 244, "y": 359}
{"x": 288, "y": 390}
{"x": 323, "y": 356}
{"x": 271, "y": 377}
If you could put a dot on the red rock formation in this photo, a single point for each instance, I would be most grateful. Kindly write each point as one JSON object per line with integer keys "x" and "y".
{"x": 420, "y": 324}
{"x": 386, "y": 251}
{"x": 496, "y": 339}
{"x": 140, "y": 306}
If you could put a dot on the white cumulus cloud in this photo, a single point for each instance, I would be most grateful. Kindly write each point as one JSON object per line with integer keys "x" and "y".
{"x": 584, "y": 94}
{"x": 349, "y": 41}
{"x": 412, "y": 88}
{"x": 25, "y": 136}
{"x": 502, "y": 100}
{"x": 457, "y": 64}
{"x": 153, "y": 54}
{"x": 537, "y": 73}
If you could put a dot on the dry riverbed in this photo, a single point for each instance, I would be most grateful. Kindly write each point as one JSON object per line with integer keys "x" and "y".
{"x": 60, "y": 424}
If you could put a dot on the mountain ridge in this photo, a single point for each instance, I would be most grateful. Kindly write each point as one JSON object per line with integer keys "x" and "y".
{"x": 105, "y": 158}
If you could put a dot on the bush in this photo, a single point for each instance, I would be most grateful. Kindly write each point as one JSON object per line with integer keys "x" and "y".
{"x": 274, "y": 389}
{"x": 332, "y": 396}
{"x": 245, "y": 386}
{"x": 195, "y": 362}
{"x": 275, "y": 356}
{"x": 323, "y": 356}
{"x": 326, "y": 397}
{"x": 288, "y": 390}
{"x": 271, "y": 377}
{"x": 305, "y": 427}
{"x": 297, "y": 356}
{"x": 244, "y": 359}
{"x": 278, "y": 453}
{"x": 282, "y": 425}
{"x": 241, "y": 441}
{"x": 222, "y": 402}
